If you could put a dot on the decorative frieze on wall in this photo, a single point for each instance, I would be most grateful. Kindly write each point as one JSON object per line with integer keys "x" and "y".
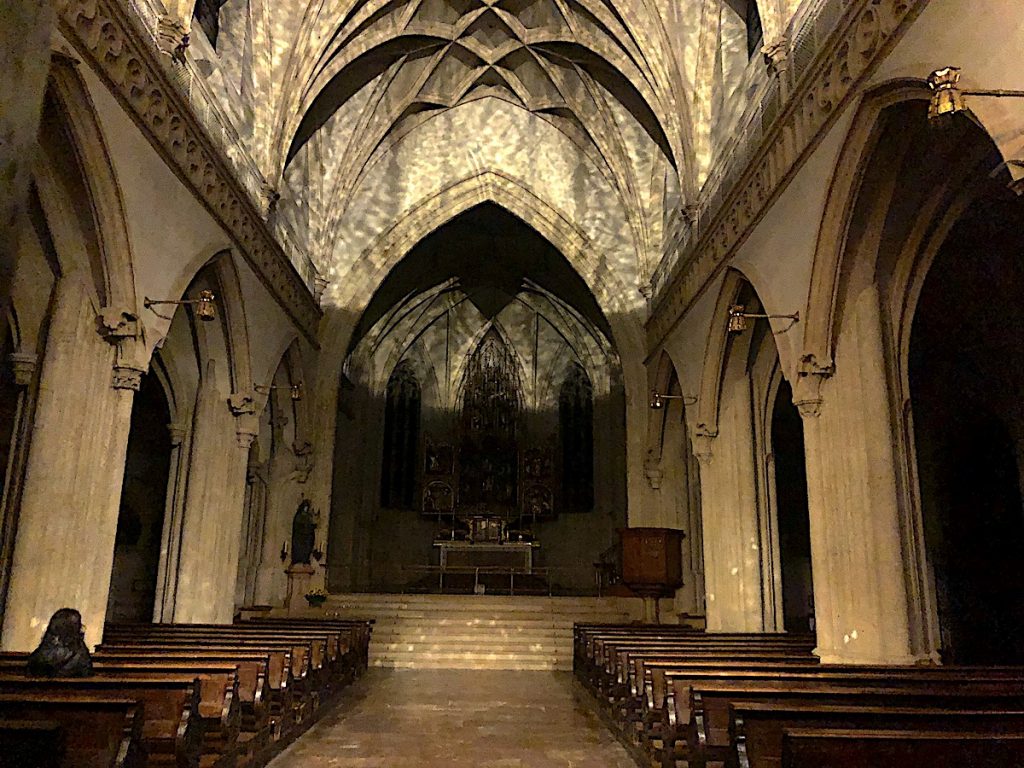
{"x": 866, "y": 32}
{"x": 103, "y": 32}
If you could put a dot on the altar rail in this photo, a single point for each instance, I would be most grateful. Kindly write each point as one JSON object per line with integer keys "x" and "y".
{"x": 493, "y": 570}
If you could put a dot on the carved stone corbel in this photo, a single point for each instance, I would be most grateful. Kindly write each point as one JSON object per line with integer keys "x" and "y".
{"x": 703, "y": 444}
{"x": 116, "y": 323}
{"x": 24, "y": 366}
{"x": 653, "y": 471}
{"x": 177, "y": 433}
{"x": 242, "y": 403}
{"x": 243, "y": 407}
{"x": 807, "y": 391}
{"x": 303, "y": 461}
{"x": 172, "y": 36}
{"x": 120, "y": 327}
{"x": 319, "y": 287}
{"x": 776, "y": 56}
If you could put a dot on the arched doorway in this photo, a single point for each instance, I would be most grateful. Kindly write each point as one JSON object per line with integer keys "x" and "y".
{"x": 753, "y": 481}
{"x": 790, "y": 480}
{"x": 143, "y": 499}
{"x": 966, "y": 371}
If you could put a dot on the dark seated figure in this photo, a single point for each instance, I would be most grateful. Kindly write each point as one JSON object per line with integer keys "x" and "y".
{"x": 62, "y": 651}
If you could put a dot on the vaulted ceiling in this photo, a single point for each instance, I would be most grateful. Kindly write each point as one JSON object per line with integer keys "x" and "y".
{"x": 361, "y": 112}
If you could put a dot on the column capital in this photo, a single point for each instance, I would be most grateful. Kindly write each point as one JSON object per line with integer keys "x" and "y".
{"x": 126, "y": 377}
{"x": 24, "y": 367}
{"x": 245, "y": 437}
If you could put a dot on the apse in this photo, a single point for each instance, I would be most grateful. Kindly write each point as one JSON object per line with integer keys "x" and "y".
{"x": 484, "y": 382}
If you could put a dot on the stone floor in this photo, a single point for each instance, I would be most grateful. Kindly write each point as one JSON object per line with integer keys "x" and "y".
{"x": 457, "y": 719}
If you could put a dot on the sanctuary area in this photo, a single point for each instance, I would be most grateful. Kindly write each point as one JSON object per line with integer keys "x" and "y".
{"x": 511, "y": 383}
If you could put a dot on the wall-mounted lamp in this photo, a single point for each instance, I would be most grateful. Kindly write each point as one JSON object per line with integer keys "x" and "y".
{"x": 205, "y": 308}
{"x": 658, "y": 399}
{"x": 294, "y": 390}
{"x": 284, "y": 552}
{"x": 948, "y": 97}
{"x": 738, "y": 317}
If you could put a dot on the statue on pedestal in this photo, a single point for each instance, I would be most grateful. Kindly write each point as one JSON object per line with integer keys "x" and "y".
{"x": 303, "y": 533}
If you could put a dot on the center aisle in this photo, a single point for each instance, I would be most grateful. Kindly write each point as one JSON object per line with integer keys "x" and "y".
{"x": 459, "y": 718}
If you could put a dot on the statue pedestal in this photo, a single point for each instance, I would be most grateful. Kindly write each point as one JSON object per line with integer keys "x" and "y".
{"x": 299, "y": 578}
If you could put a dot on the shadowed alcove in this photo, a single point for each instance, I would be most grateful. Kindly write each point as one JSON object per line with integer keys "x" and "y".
{"x": 966, "y": 374}
{"x": 485, "y": 381}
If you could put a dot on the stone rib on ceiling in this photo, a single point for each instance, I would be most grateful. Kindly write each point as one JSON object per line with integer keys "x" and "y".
{"x": 559, "y": 59}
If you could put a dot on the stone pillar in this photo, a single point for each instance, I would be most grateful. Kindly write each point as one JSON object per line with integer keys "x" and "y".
{"x": 24, "y": 365}
{"x": 214, "y": 498}
{"x": 64, "y": 549}
{"x": 256, "y": 515}
{"x": 174, "y": 510}
{"x": 732, "y": 547}
{"x": 861, "y": 595}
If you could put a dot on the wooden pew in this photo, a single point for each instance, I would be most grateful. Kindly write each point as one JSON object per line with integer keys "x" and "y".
{"x": 258, "y": 678}
{"x": 882, "y": 748}
{"x": 699, "y": 727}
{"x": 219, "y": 698}
{"x": 171, "y": 728}
{"x": 662, "y": 686}
{"x": 93, "y": 731}
{"x": 359, "y": 630}
{"x": 758, "y": 730}
{"x": 288, "y": 700}
{"x": 38, "y": 743}
{"x": 322, "y": 650}
{"x": 307, "y": 681}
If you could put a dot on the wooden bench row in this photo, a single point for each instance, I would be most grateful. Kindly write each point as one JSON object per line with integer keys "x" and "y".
{"x": 763, "y": 700}
{"x": 192, "y": 696}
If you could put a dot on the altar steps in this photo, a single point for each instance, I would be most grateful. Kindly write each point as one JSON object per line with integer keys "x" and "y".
{"x": 477, "y": 631}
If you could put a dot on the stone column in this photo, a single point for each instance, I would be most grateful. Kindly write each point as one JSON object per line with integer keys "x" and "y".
{"x": 861, "y": 595}
{"x": 256, "y": 514}
{"x": 174, "y": 509}
{"x": 212, "y": 522}
{"x": 24, "y": 365}
{"x": 732, "y": 548}
{"x": 64, "y": 549}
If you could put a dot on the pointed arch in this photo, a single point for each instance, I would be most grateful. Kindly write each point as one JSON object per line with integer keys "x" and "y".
{"x": 714, "y": 354}
{"x": 866, "y": 130}
{"x": 71, "y": 97}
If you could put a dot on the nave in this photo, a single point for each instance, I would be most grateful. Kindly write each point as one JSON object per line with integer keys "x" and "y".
{"x": 459, "y": 718}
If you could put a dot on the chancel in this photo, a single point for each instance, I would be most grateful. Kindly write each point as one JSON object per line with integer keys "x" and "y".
{"x": 533, "y": 382}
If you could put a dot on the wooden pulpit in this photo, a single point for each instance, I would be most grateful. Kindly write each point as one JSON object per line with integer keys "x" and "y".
{"x": 652, "y": 564}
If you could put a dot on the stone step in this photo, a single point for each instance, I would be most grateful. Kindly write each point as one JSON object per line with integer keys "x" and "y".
{"x": 503, "y": 646}
{"x": 518, "y": 666}
{"x": 473, "y": 631}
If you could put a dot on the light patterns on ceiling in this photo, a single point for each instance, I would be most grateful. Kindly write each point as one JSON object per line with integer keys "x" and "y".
{"x": 388, "y": 67}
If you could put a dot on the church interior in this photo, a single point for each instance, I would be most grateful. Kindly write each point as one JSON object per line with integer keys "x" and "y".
{"x": 512, "y": 383}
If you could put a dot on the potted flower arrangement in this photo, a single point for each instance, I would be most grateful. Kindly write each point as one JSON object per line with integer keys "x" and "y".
{"x": 316, "y": 597}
